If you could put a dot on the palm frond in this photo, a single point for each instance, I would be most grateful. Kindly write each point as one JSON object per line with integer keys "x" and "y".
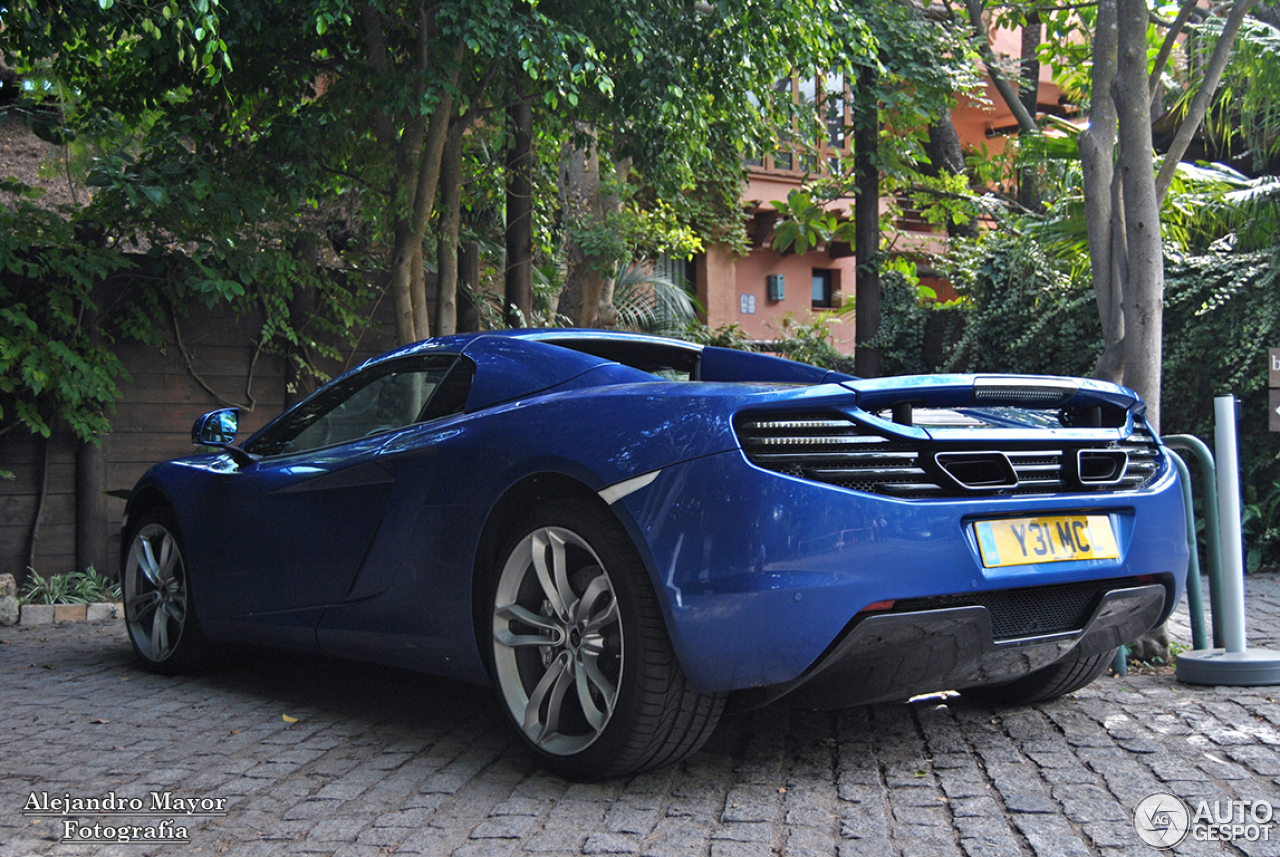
{"x": 650, "y": 302}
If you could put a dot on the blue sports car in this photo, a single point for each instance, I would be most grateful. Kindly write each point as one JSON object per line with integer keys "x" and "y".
{"x": 623, "y": 534}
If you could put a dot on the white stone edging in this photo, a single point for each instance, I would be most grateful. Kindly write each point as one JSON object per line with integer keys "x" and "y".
{"x": 57, "y": 614}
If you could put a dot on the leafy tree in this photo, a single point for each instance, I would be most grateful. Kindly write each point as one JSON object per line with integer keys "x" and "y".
{"x": 901, "y": 89}
{"x": 694, "y": 88}
{"x": 1122, "y": 192}
{"x": 277, "y": 127}
{"x": 55, "y": 357}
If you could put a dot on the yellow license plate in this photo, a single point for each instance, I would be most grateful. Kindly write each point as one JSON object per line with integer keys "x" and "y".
{"x": 1057, "y": 538}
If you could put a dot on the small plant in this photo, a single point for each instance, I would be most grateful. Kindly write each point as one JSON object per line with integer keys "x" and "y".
{"x": 94, "y": 586}
{"x": 77, "y": 587}
{"x": 812, "y": 342}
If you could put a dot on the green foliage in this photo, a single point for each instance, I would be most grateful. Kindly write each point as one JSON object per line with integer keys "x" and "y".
{"x": 633, "y": 232}
{"x": 1245, "y": 115}
{"x": 711, "y": 207}
{"x": 1024, "y": 312}
{"x": 55, "y": 358}
{"x": 179, "y": 43}
{"x": 1214, "y": 205}
{"x": 812, "y": 342}
{"x": 77, "y": 587}
{"x": 904, "y": 317}
{"x": 725, "y": 336}
{"x": 805, "y": 223}
{"x": 648, "y": 302}
{"x": 1220, "y": 315}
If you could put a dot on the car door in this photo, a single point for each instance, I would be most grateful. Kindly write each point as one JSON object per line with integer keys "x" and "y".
{"x": 293, "y": 527}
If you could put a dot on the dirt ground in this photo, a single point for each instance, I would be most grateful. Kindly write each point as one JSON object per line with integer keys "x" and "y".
{"x": 21, "y": 155}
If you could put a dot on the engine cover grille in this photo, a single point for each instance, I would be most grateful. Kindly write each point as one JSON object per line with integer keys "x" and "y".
{"x": 833, "y": 449}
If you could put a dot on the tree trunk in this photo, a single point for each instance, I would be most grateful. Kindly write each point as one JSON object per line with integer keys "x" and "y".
{"x": 584, "y": 209}
{"x": 1008, "y": 93}
{"x": 450, "y": 227}
{"x": 610, "y": 203}
{"x": 91, "y": 479}
{"x": 1028, "y": 178}
{"x": 420, "y": 170}
{"x": 469, "y": 282}
{"x": 866, "y": 226}
{"x": 518, "y": 280}
{"x": 1102, "y": 212}
{"x": 1144, "y": 289}
{"x": 33, "y": 534}
{"x": 91, "y": 507}
{"x": 1030, "y": 63}
{"x": 947, "y": 156}
{"x": 417, "y": 143}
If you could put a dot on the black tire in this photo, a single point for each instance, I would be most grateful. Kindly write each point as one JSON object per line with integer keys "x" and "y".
{"x": 159, "y": 612}
{"x": 1045, "y": 684}
{"x": 580, "y": 652}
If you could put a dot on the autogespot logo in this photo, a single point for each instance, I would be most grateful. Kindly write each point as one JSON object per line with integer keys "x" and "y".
{"x": 1162, "y": 820}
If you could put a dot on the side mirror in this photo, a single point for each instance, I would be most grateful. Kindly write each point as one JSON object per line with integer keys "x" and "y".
{"x": 217, "y": 428}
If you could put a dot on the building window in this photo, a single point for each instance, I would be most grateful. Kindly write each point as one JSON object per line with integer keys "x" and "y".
{"x": 823, "y": 288}
{"x": 837, "y": 111}
{"x": 811, "y": 148}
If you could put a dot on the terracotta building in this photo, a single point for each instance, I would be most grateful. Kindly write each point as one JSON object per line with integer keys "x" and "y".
{"x": 759, "y": 290}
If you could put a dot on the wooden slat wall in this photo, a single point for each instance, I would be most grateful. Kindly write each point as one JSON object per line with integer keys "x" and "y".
{"x": 20, "y": 453}
{"x": 152, "y": 422}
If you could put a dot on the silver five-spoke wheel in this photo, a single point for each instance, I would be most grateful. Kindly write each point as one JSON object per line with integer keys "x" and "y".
{"x": 558, "y": 640}
{"x": 579, "y": 648}
{"x": 157, "y": 600}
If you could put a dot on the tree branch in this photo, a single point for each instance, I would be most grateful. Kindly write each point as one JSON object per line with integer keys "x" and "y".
{"x": 1175, "y": 30}
{"x": 195, "y": 376}
{"x": 371, "y": 24}
{"x": 1204, "y": 96}
{"x": 1026, "y": 122}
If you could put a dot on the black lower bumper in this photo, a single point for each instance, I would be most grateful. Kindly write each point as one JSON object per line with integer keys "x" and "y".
{"x": 895, "y": 656}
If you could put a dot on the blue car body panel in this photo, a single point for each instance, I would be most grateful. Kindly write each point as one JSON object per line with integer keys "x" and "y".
{"x": 369, "y": 548}
{"x": 762, "y": 581}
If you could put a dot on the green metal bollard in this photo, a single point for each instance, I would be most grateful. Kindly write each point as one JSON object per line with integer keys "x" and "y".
{"x": 1209, "y": 485}
{"x": 1195, "y": 600}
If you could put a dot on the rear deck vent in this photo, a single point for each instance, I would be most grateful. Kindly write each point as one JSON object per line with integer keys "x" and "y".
{"x": 832, "y": 448}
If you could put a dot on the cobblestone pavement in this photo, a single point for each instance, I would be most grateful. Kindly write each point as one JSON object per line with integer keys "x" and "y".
{"x": 316, "y": 756}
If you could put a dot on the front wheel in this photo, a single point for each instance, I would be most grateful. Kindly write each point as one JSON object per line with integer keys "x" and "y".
{"x": 580, "y": 652}
{"x": 158, "y": 609}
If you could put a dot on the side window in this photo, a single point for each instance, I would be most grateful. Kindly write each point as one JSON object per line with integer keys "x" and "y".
{"x": 384, "y": 397}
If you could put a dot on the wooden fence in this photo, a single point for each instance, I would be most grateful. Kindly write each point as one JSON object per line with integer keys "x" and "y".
{"x": 208, "y": 360}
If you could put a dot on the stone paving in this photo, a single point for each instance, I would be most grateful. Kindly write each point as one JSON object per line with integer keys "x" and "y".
{"x": 318, "y": 756}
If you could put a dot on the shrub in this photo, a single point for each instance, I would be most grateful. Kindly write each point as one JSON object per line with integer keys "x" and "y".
{"x": 77, "y": 587}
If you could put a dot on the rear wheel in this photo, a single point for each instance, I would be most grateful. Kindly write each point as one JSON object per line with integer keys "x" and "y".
{"x": 158, "y": 609}
{"x": 580, "y": 652}
{"x": 1045, "y": 684}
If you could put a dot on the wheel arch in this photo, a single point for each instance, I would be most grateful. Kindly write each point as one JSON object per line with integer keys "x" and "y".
{"x": 147, "y": 498}
{"x": 526, "y": 494}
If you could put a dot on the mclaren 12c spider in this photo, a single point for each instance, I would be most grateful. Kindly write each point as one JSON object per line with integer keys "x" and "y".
{"x": 624, "y": 534}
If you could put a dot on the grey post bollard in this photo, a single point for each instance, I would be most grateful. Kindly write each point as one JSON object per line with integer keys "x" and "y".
{"x": 1233, "y": 664}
